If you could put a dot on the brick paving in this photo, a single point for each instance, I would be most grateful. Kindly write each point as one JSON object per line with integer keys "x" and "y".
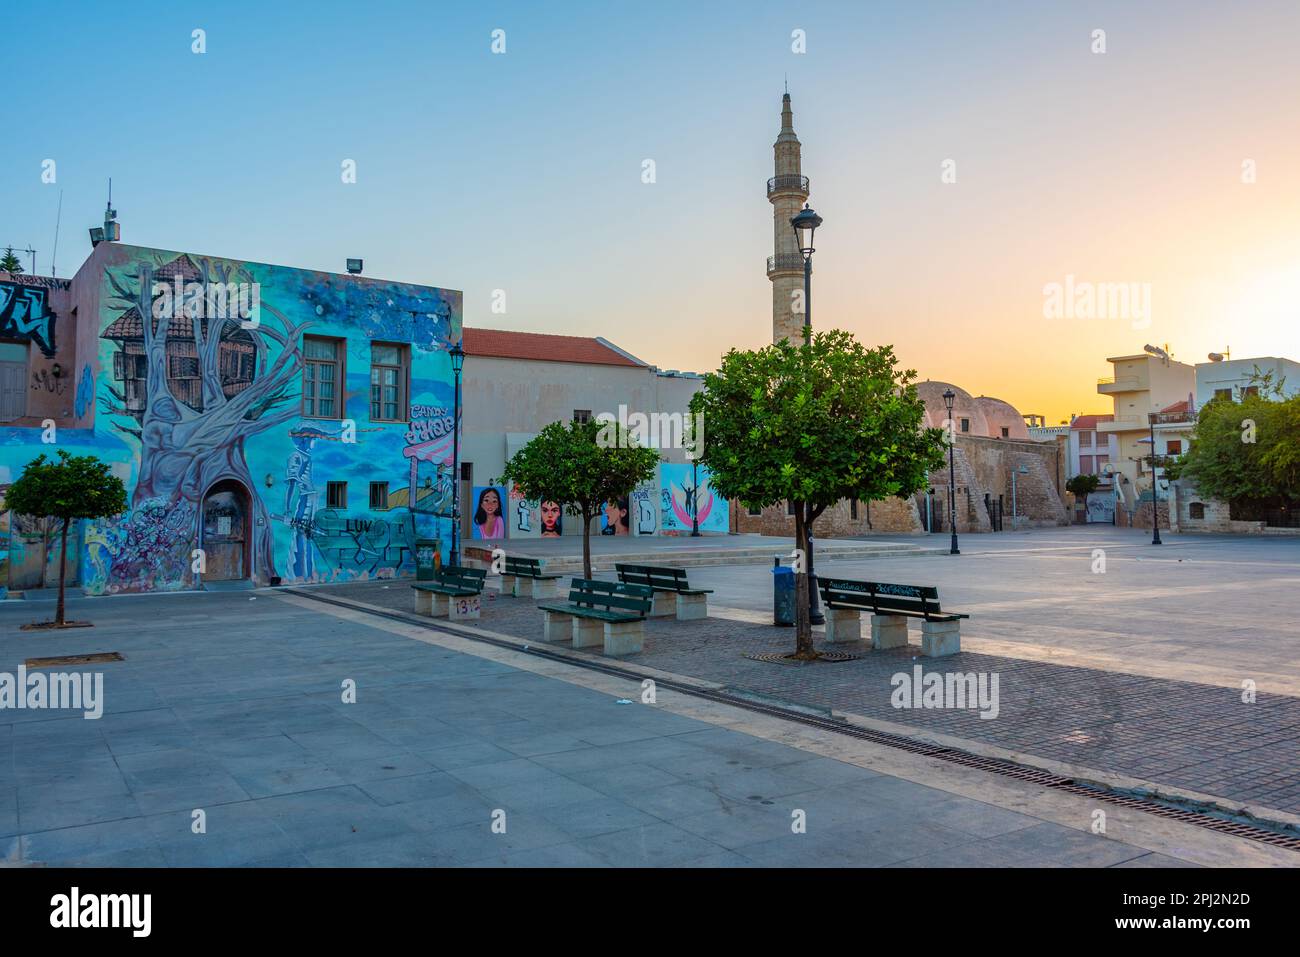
{"x": 1190, "y": 736}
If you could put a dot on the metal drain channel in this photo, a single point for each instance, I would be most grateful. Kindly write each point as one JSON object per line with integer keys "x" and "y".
{"x": 1019, "y": 772}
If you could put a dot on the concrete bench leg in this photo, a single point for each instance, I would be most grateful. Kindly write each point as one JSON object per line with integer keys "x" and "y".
{"x": 624, "y": 637}
{"x": 523, "y": 587}
{"x": 888, "y": 631}
{"x": 461, "y": 609}
{"x": 423, "y": 602}
{"x": 692, "y": 607}
{"x": 556, "y": 627}
{"x": 586, "y": 632}
{"x": 843, "y": 624}
{"x": 507, "y": 584}
{"x": 940, "y": 638}
{"x": 545, "y": 587}
{"x": 663, "y": 604}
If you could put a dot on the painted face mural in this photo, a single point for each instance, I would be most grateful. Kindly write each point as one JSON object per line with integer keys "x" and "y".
{"x": 614, "y": 521}
{"x": 552, "y": 520}
{"x": 489, "y": 521}
{"x": 216, "y": 380}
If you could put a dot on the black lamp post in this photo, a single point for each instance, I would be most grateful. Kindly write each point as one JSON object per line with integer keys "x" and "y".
{"x": 805, "y": 224}
{"x": 695, "y": 498}
{"x": 457, "y": 354}
{"x": 948, "y": 398}
{"x": 1155, "y": 511}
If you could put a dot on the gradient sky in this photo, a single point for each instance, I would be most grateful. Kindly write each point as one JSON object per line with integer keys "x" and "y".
{"x": 522, "y": 171}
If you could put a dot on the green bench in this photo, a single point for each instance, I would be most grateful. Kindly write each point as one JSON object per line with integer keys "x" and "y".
{"x": 673, "y": 594}
{"x": 452, "y": 591}
{"x": 890, "y": 605}
{"x": 523, "y": 578}
{"x": 608, "y": 613}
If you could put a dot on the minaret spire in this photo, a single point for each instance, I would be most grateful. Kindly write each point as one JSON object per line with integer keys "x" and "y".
{"x": 787, "y": 191}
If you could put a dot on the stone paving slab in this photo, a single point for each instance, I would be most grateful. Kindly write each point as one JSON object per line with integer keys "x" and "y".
{"x": 287, "y": 774}
{"x": 1194, "y": 737}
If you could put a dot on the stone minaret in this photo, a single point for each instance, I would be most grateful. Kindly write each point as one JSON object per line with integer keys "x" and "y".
{"x": 787, "y": 191}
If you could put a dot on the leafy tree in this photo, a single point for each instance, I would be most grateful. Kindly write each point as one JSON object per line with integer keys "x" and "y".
{"x": 812, "y": 425}
{"x": 1081, "y": 486}
{"x": 74, "y": 487}
{"x": 568, "y": 464}
{"x": 9, "y": 262}
{"x": 1246, "y": 452}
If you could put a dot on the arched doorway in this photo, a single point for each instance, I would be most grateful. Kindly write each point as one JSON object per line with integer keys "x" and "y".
{"x": 226, "y": 532}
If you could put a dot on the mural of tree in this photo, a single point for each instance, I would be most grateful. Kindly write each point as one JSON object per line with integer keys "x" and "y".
{"x": 184, "y": 451}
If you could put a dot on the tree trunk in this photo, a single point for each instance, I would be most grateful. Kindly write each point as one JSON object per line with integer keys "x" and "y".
{"x": 803, "y": 627}
{"x": 586, "y": 543}
{"x": 63, "y": 567}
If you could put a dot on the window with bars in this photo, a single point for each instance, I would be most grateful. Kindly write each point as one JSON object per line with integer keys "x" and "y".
{"x": 336, "y": 494}
{"x": 378, "y": 496}
{"x": 387, "y": 382}
{"x": 582, "y": 416}
{"x": 321, "y": 377}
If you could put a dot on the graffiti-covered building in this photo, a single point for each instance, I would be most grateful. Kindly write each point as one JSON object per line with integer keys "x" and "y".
{"x": 270, "y": 423}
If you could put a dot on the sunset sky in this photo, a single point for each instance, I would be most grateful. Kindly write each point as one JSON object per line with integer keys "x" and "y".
{"x": 522, "y": 171}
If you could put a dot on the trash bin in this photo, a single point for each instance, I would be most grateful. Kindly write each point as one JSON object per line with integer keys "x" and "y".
{"x": 428, "y": 558}
{"x": 782, "y": 593}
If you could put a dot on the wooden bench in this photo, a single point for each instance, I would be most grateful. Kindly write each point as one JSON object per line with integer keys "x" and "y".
{"x": 453, "y": 591}
{"x": 599, "y": 612}
{"x": 890, "y": 606}
{"x": 672, "y": 593}
{"x": 523, "y": 578}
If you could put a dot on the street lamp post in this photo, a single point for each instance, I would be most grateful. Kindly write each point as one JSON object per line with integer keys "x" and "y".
{"x": 695, "y": 498}
{"x": 457, "y": 364}
{"x": 805, "y": 224}
{"x": 948, "y": 398}
{"x": 1155, "y": 511}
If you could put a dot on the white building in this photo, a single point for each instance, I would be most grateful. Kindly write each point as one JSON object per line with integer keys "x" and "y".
{"x": 1232, "y": 378}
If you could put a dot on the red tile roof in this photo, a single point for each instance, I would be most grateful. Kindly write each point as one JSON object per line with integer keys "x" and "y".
{"x": 502, "y": 344}
{"x": 1183, "y": 406}
{"x": 1090, "y": 421}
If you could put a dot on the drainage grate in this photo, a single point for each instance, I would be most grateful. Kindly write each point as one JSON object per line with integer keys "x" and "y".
{"x": 94, "y": 659}
{"x": 773, "y": 658}
{"x": 1202, "y": 816}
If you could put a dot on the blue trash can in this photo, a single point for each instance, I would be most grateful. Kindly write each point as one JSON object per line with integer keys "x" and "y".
{"x": 782, "y": 594}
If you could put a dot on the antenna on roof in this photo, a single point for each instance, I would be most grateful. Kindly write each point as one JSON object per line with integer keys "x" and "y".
{"x": 57, "y": 219}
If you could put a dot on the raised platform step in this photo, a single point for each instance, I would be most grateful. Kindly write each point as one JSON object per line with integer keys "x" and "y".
{"x": 557, "y": 562}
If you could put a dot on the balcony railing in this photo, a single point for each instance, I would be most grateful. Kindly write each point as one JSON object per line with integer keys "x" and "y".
{"x": 784, "y": 262}
{"x": 1124, "y": 383}
{"x": 1165, "y": 418}
{"x": 794, "y": 184}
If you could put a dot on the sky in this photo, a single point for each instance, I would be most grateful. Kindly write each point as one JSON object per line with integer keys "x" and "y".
{"x": 964, "y": 158}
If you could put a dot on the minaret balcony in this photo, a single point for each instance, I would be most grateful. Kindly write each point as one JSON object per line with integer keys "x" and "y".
{"x": 786, "y": 262}
{"x": 788, "y": 184}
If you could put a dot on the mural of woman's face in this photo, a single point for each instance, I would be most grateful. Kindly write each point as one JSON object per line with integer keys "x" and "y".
{"x": 490, "y": 502}
{"x": 550, "y": 518}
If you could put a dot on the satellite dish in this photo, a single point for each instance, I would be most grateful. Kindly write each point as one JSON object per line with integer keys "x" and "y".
{"x": 1215, "y": 357}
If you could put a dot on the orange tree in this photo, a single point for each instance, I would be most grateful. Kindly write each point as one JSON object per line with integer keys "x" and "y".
{"x": 813, "y": 425}
{"x": 74, "y": 487}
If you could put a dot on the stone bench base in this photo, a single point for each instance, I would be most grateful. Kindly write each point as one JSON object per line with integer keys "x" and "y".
{"x": 507, "y": 584}
{"x": 663, "y": 605}
{"x": 843, "y": 624}
{"x": 624, "y": 637}
{"x": 556, "y": 626}
{"x": 521, "y": 586}
{"x": 692, "y": 607}
{"x": 587, "y": 632}
{"x": 463, "y": 609}
{"x": 940, "y": 638}
{"x": 888, "y": 631}
{"x": 430, "y": 603}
